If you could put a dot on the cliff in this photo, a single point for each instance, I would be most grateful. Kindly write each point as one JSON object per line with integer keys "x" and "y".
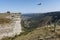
{"x": 10, "y": 24}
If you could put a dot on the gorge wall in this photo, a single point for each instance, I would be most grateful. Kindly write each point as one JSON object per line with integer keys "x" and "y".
{"x": 10, "y": 24}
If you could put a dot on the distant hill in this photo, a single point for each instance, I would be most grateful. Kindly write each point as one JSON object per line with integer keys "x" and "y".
{"x": 32, "y": 21}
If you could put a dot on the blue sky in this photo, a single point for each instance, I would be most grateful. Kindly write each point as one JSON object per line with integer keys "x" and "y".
{"x": 29, "y": 6}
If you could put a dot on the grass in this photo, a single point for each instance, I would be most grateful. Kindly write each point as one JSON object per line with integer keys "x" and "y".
{"x": 5, "y": 20}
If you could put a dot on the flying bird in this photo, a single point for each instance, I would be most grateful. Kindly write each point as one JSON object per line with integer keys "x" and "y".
{"x": 39, "y": 4}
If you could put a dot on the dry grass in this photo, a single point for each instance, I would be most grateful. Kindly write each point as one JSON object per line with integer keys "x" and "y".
{"x": 43, "y": 33}
{"x": 5, "y": 20}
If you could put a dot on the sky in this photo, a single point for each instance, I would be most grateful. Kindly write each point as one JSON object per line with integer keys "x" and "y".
{"x": 29, "y": 6}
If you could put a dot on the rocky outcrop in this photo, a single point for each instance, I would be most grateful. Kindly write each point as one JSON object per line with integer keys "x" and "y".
{"x": 10, "y": 24}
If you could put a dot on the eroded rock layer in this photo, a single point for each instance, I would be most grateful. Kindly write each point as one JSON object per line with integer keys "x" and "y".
{"x": 10, "y": 24}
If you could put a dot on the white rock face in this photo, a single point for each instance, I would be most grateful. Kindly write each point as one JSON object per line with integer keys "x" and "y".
{"x": 13, "y": 28}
